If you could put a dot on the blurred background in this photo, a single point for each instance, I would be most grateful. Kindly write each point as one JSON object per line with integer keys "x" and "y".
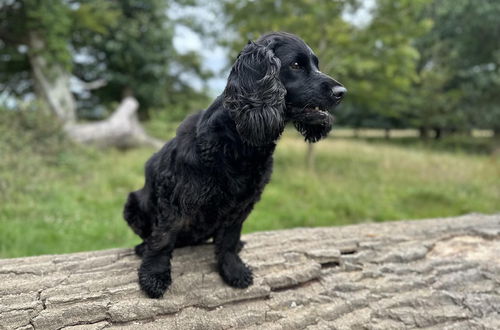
{"x": 90, "y": 88}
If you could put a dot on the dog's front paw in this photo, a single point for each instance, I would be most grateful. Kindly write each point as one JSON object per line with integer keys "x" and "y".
{"x": 235, "y": 273}
{"x": 154, "y": 284}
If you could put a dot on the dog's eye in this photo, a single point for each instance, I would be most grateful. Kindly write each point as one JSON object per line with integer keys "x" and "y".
{"x": 296, "y": 66}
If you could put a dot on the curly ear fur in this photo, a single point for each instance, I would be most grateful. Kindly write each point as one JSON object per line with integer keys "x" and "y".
{"x": 255, "y": 96}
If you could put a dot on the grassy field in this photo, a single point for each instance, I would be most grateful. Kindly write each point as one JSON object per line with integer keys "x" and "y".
{"x": 56, "y": 197}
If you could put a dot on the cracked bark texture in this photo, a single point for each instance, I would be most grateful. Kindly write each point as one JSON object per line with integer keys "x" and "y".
{"x": 433, "y": 274}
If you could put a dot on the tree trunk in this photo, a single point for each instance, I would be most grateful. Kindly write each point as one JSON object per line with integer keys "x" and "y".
{"x": 423, "y": 132}
{"x": 433, "y": 274}
{"x": 438, "y": 133}
{"x": 51, "y": 81}
{"x": 387, "y": 133}
{"x": 122, "y": 129}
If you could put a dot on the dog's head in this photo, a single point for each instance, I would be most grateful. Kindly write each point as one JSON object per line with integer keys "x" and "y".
{"x": 277, "y": 79}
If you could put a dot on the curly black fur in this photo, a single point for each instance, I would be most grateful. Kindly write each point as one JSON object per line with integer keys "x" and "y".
{"x": 204, "y": 182}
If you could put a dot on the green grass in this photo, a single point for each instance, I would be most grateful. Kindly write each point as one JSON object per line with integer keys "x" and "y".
{"x": 56, "y": 197}
{"x": 357, "y": 181}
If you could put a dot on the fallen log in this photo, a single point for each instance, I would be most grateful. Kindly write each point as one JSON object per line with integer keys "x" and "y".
{"x": 433, "y": 274}
{"x": 121, "y": 130}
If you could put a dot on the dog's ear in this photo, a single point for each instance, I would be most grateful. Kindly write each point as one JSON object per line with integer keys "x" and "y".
{"x": 255, "y": 96}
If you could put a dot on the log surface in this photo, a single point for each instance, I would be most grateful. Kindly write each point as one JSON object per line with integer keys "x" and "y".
{"x": 433, "y": 274}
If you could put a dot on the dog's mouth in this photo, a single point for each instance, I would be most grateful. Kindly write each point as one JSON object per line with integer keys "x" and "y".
{"x": 317, "y": 109}
{"x": 313, "y": 122}
{"x": 309, "y": 112}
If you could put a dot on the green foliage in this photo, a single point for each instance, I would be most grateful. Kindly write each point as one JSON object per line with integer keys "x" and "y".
{"x": 135, "y": 55}
{"x": 126, "y": 43}
{"x": 96, "y": 16}
{"x": 58, "y": 197}
{"x": 19, "y": 19}
{"x": 444, "y": 110}
{"x": 136, "y": 52}
{"x": 418, "y": 63}
{"x": 56, "y": 23}
{"x": 50, "y": 19}
{"x": 383, "y": 62}
{"x": 14, "y": 65}
{"x": 425, "y": 63}
{"x": 463, "y": 48}
{"x": 376, "y": 62}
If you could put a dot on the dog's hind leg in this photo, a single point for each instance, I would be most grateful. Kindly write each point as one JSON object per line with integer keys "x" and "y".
{"x": 227, "y": 245}
{"x": 137, "y": 219}
{"x": 140, "y": 248}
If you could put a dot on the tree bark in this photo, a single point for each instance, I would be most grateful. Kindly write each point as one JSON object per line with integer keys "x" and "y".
{"x": 122, "y": 129}
{"x": 433, "y": 274}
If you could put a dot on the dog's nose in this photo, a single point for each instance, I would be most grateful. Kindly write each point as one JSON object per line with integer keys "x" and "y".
{"x": 339, "y": 92}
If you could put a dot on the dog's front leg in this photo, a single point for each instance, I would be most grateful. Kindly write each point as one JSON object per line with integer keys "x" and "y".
{"x": 227, "y": 245}
{"x": 154, "y": 273}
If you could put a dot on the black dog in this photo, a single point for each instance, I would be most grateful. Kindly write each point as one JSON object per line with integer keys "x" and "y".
{"x": 204, "y": 182}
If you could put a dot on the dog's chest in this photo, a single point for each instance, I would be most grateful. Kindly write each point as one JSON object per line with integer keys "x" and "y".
{"x": 247, "y": 178}
{"x": 236, "y": 173}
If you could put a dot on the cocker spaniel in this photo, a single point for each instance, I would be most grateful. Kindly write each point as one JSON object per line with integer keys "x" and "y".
{"x": 205, "y": 181}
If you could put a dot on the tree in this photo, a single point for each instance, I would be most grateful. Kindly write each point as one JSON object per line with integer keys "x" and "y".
{"x": 123, "y": 48}
{"x": 35, "y": 34}
{"x": 464, "y": 48}
{"x": 375, "y": 61}
{"x": 139, "y": 56}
